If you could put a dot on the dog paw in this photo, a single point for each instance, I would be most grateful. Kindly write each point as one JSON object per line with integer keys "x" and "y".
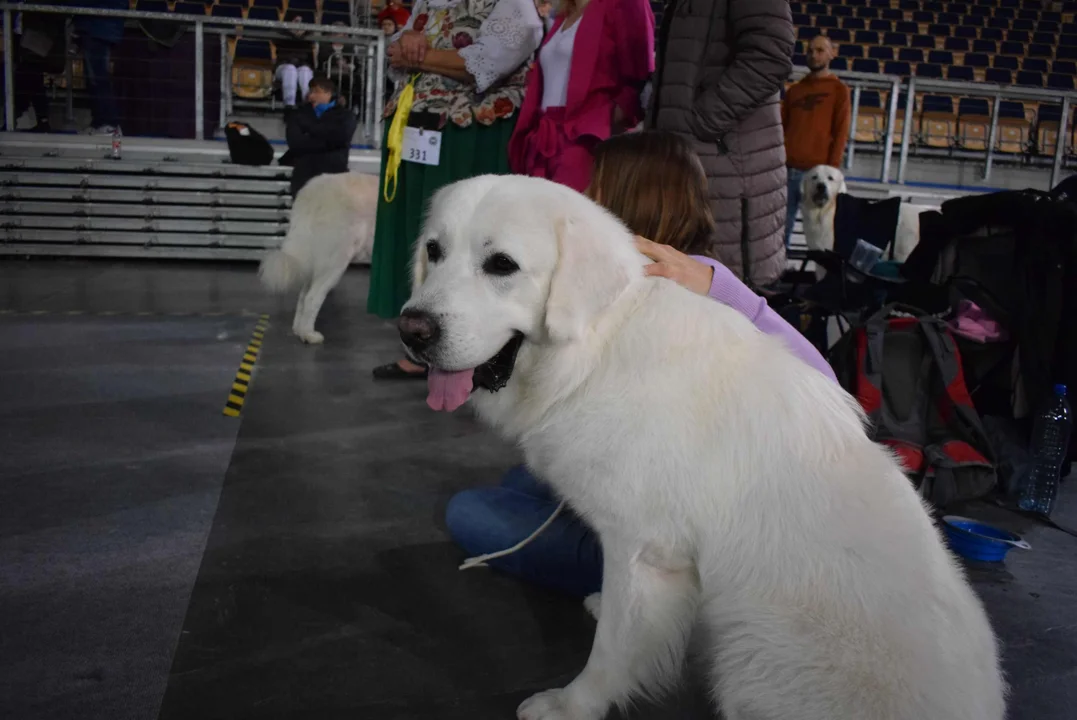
{"x": 547, "y": 705}
{"x": 593, "y": 602}
{"x": 312, "y": 338}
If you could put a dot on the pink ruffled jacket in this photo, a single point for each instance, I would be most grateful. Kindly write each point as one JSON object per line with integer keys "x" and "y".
{"x": 612, "y": 58}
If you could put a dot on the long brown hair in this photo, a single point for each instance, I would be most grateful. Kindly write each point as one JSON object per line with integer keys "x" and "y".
{"x": 654, "y": 182}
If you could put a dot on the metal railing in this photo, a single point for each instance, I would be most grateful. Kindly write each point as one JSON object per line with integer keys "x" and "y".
{"x": 898, "y": 86}
{"x": 369, "y": 43}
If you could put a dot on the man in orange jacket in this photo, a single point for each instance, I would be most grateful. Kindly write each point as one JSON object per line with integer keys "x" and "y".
{"x": 815, "y": 115}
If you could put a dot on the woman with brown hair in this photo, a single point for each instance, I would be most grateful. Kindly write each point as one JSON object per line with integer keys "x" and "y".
{"x": 655, "y": 183}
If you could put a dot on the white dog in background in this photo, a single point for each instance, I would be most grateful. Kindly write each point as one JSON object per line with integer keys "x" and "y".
{"x": 741, "y": 493}
{"x": 819, "y": 190}
{"x": 332, "y": 225}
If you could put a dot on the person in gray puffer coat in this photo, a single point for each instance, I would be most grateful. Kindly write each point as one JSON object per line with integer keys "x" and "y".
{"x": 720, "y": 69}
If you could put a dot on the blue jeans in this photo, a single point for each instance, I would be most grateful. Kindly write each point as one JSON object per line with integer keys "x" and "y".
{"x": 96, "y": 53}
{"x": 792, "y": 200}
{"x": 567, "y": 556}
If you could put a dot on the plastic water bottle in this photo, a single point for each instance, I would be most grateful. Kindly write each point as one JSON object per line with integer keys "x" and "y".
{"x": 1050, "y": 441}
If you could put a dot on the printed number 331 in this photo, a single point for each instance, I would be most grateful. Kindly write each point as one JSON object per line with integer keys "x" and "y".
{"x": 416, "y": 154}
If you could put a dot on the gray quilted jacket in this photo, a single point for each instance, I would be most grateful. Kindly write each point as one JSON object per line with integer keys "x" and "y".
{"x": 720, "y": 69}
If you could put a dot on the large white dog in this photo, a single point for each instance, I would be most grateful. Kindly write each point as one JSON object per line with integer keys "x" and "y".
{"x": 819, "y": 190}
{"x": 332, "y": 225}
{"x": 732, "y": 485}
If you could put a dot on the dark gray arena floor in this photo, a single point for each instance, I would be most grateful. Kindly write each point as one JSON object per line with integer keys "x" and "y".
{"x": 162, "y": 559}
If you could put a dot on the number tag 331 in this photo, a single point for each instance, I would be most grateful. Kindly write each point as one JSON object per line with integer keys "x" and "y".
{"x": 421, "y": 146}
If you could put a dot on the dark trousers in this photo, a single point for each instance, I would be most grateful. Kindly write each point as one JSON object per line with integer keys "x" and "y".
{"x": 96, "y": 54}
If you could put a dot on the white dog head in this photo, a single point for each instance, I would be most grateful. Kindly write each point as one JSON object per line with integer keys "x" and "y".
{"x": 504, "y": 259}
{"x": 821, "y": 186}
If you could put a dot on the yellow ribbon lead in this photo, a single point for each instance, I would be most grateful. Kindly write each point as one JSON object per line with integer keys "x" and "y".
{"x": 395, "y": 140}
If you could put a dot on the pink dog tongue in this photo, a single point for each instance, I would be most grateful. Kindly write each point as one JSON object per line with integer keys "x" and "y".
{"x": 448, "y": 390}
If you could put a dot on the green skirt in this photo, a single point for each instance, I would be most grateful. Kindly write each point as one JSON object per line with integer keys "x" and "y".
{"x": 465, "y": 152}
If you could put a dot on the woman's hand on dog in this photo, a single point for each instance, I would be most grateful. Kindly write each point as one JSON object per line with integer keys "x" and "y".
{"x": 675, "y": 265}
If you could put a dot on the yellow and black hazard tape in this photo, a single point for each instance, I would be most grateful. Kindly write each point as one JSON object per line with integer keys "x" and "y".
{"x": 125, "y": 313}
{"x": 238, "y": 394}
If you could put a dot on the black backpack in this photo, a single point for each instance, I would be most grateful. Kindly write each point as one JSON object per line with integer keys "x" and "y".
{"x": 247, "y": 146}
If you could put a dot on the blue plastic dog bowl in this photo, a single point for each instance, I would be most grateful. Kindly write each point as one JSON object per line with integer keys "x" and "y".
{"x": 978, "y": 541}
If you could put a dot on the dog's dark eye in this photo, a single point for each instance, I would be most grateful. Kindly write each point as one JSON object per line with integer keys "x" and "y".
{"x": 830, "y": 179}
{"x": 433, "y": 251}
{"x": 500, "y": 264}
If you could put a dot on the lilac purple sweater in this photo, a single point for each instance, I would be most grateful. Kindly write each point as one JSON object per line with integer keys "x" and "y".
{"x": 727, "y": 289}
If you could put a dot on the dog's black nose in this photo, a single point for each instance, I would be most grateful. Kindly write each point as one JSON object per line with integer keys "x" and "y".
{"x": 418, "y": 330}
{"x": 820, "y": 188}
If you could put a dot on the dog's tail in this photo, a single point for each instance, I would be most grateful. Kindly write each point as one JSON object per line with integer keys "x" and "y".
{"x": 280, "y": 272}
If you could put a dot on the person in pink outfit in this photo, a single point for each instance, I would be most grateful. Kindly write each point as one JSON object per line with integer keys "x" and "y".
{"x": 583, "y": 88}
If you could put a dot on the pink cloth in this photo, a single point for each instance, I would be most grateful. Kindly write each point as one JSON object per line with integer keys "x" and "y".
{"x": 612, "y": 58}
{"x": 973, "y": 322}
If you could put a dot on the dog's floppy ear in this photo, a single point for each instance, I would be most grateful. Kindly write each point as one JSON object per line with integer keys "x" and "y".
{"x": 587, "y": 279}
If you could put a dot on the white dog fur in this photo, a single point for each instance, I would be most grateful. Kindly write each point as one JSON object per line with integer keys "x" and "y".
{"x": 817, "y": 213}
{"x": 731, "y": 484}
{"x": 332, "y": 225}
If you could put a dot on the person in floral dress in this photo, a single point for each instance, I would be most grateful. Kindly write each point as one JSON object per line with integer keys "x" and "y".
{"x": 469, "y": 60}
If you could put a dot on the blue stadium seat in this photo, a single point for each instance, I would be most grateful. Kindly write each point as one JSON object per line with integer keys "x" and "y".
{"x": 1066, "y": 53}
{"x": 825, "y": 21}
{"x": 279, "y": 4}
{"x": 868, "y": 13}
{"x": 957, "y": 8}
{"x": 981, "y": 11}
{"x": 973, "y": 106}
{"x": 883, "y": 26}
{"x": 253, "y": 49}
{"x": 656, "y": 6}
{"x": 1060, "y": 82}
{"x": 1069, "y": 28}
{"x": 909, "y": 28}
{"x": 923, "y": 41}
{"x": 929, "y": 70}
{"x": 1038, "y": 50}
{"x": 241, "y": 3}
{"x": 801, "y": 19}
{"x": 1064, "y": 67}
{"x": 998, "y": 75}
{"x": 839, "y": 64}
{"x": 882, "y": 4}
{"x": 938, "y": 30}
{"x": 1034, "y": 65}
{"x": 1052, "y": 16}
{"x": 991, "y": 34}
{"x": 293, "y": 5}
{"x": 841, "y": 11}
{"x": 226, "y": 11}
{"x": 190, "y": 8}
{"x": 897, "y": 40}
{"x": 856, "y": 3}
{"x": 960, "y": 72}
{"x": 955, "y": 44}
{"x": 850, "y": 51}
{"x": 1067, "y": 40}
{"x": 909, "y": 5}
{"x": 893, "y": 14}
{"x": 867, "y": 37}
{"x": 1030, "y": 15}
{"x": 159, "y": 6}
{"x": 853, "y": 23}
{"x": 840, "y": 35}
{"x": 1009, "y": 4}
{"x": 866, "y": 65}
{"x": 341, "y": 6}
{"x": 332, "y": 18}
{"x": 1044, "y": 38}
{"x": 1029, "y": 79}
{"x": 985, "y": 46}
{"x": 965, "y": 32}
{"x": 1018, "y": 36}
{"x": 807, "y": 33}
{"x": 799, "y": 60}
{"x": 1026, "y": 25}
{"x": 1005, "y": 62}
{"x": 817, "y": 9}
{"x": 937, "y": 104}
{"x": 976, "y": 21}
{"x": 948, "y": 18}
{"x": 910, "y": 55}
{"x": 922, "y": 16}
{"x": 1047, "y": 26}
{"x": 897, "y": 67}
{"x": 1012, "y": 48}
{"x": 881, "y": 52}
{"x": 296, "y": 15}
{"x": 1008, "y": 14}
{"x": 940, "y": 57}
{"x": 979, "y": 60}
{"x": 263, "y": 13}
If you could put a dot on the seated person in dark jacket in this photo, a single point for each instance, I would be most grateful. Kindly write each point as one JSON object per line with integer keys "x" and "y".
{"x": 319, "y": 134}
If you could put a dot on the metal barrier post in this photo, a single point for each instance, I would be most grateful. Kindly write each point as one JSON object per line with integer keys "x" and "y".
{"x": 226, "y": 87}
{"x": 892, "y": 115}
{"x": 1060, "y": 144}
{"x": 991, "y": 137}
{"x": 9, "y": 74}
{"x": 906, "y": 130}
{"x": 852, "y": 127}
{"x": 199, "y": 79}
{"x": 368, "y": 91}
{"x": 379, "y": 87}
